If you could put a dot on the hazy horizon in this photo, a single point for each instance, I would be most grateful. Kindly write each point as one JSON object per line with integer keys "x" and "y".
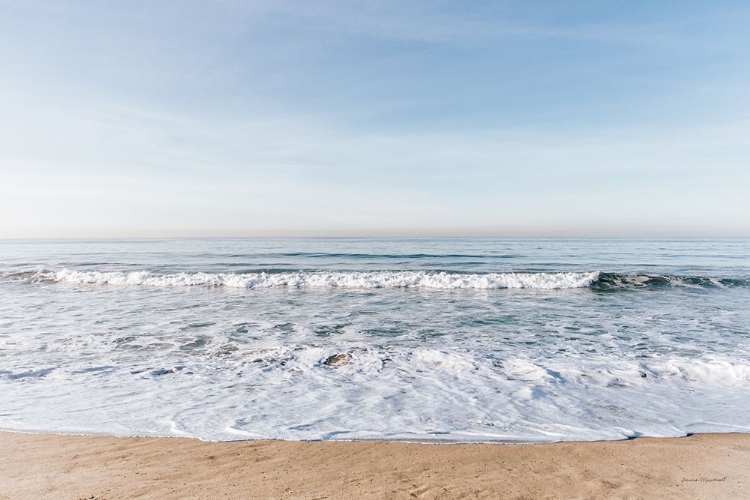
{"x": 278, "y": 119}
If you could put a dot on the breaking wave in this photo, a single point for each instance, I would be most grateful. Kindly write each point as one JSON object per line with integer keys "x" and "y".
{"x": 325, "y": 279}
{"x": 596, "y": 280}
{"x": 615, "y": 281}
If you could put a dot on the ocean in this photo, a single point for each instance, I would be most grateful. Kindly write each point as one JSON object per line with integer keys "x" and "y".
{"x": 430, "y": 340}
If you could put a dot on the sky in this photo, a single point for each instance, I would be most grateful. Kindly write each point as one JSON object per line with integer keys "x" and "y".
{"x": 333, "y": 118}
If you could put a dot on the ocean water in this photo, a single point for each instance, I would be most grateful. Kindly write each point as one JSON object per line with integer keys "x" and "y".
{"x": 470, "y": 340}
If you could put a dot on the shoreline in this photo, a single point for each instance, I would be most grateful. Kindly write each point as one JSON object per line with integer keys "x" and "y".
{"x": 76, "y": 466}
{"x": 435, "y": 441}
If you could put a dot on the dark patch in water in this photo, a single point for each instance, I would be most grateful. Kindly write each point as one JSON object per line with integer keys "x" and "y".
{"x": 385, "y": 332}
{"x": 227, "y": 349}
{"x": 198, "y": 342}
{"x": 198, "y": 325}
{"x": 286, "y": 328}
{"x": 28, "y": 374}
{"x": 328, "y": 330}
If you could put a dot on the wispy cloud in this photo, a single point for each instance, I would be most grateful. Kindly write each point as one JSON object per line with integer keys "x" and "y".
{"x": 336, "y": 117}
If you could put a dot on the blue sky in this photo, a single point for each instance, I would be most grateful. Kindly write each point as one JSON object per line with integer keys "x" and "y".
{"x": 587, "y": 118}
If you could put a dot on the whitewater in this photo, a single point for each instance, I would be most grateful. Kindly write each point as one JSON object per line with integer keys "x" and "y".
{"x": 403, "y": 279}
{"x": 455, "y": 340}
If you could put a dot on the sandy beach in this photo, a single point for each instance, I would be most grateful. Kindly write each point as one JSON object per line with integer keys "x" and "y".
{"x": 101, "y": 467}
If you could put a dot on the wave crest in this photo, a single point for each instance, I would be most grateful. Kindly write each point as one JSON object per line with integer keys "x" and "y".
{"x": 333, "y": 279}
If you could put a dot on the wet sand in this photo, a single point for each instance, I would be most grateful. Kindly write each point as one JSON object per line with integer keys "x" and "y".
{"x": 102, "y": 467}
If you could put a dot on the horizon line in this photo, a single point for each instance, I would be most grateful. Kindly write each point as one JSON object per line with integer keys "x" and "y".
{"x": 394, "y": 236}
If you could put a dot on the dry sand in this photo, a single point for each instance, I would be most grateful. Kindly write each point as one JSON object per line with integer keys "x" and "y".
{"x": 710, "y": 466}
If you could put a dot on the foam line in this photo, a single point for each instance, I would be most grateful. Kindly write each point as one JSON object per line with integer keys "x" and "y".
{"x": 335, "y": 279}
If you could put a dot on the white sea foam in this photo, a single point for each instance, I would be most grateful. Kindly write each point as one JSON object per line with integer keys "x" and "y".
{"x": 335, "y": 279}
{"x": 297, "y": 392}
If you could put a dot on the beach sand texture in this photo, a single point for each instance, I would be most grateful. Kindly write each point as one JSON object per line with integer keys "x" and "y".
{"x": 707, "y": 466}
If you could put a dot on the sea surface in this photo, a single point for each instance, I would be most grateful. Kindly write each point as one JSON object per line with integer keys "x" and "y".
{"x": 469, "y": 340}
